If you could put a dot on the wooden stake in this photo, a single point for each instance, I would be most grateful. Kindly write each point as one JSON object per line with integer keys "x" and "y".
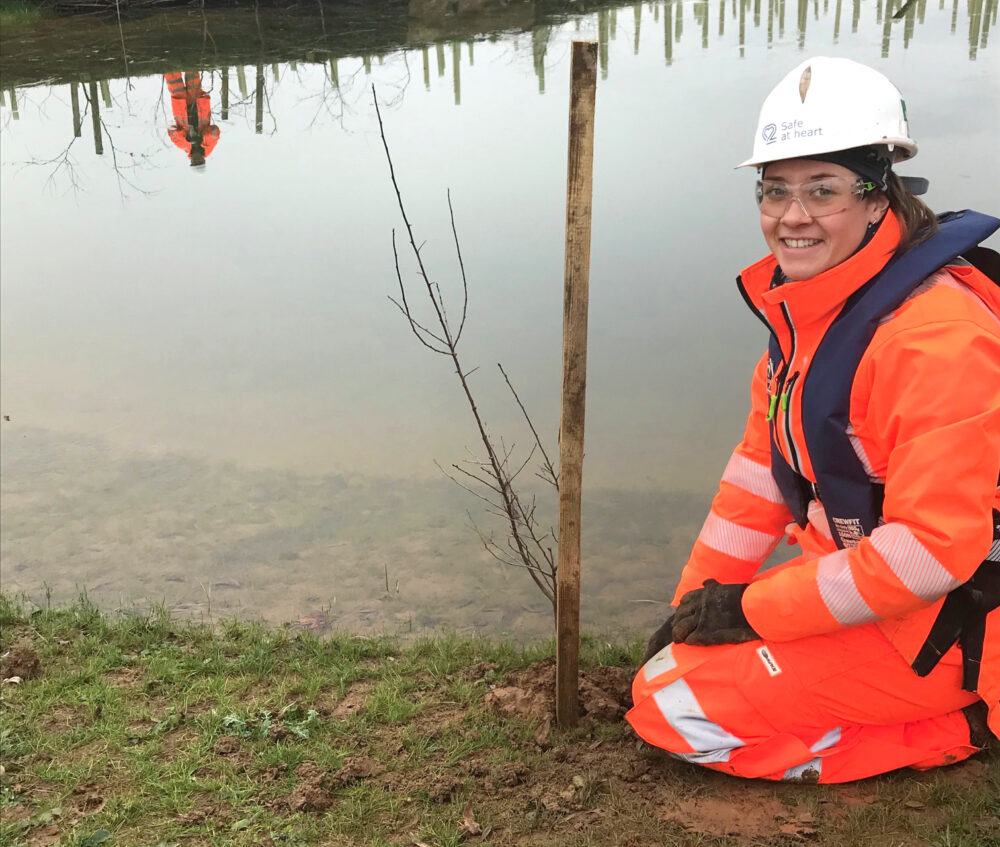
{"x": 74, "y": 96}
{"x": 259, "y": 102}
{"x": 583, "y": 88}
{"x": 95, "y": 119}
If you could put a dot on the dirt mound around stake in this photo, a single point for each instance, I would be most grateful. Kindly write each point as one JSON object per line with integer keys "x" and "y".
{"x": 605, "y": 693}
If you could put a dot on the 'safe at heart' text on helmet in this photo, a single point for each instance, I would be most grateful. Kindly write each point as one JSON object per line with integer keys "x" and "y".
{"x": 824, "y": 105}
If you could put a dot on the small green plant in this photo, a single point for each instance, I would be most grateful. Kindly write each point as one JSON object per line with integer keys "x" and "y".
{"x": 96, "y": 838}
{"x": 264, "y": 724}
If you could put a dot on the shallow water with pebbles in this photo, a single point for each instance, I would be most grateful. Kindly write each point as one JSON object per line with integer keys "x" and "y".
{"x": 209, "y": 402}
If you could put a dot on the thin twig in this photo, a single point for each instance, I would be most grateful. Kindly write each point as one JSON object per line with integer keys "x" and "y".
{"x": 554, "y": 477}
{"x": 461, "y": 267}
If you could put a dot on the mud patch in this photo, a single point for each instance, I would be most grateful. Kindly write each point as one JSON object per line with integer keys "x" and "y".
{"x": 530, "y": 693}
{"x": 91, "y": 751}
{"x": 21, "y": 662}
{"x": 317, "y": 786}
{"x": 175, "y": 744}
{"x": 441, "y": 789}
{"x": 44, "y": 837}
{"x": 747, "y": 813}
{"x": 314, "y": 791}
{"x": 226, "y": 746}
{"x": 206, "y": 811}
{"x": 967, "y": 774}
{"x": 63, "y": 718}
{"x": 354, "y": 769}
{"x": 342, "y": 708}
{"x": 124, "y": 677}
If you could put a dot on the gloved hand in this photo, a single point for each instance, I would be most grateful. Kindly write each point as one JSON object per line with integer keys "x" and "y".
{"x": 712, "y": 614}
{"x": 659, "y": 639}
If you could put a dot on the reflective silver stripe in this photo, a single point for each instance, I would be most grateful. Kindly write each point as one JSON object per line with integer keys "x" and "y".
{"x": 753, "y": 477}
{"x": 909, "y": 560}
{"x": 994, "y": 554}
{"x": 735, "y": 540}
{"x": 817, "y": 519}
{"x": 660, "y": 663}
{"x": 681, "y": 709}
{"x": 827, "y": 741}
{"x": 859, "y": 451}
{"x": 795, "y": 774}
{"x": 836, "y": 586}
{"x": 946, "y": 280}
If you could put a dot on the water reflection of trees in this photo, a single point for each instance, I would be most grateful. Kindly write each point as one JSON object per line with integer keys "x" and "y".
{"x": 102, "y": 49}
{"x": 227, "y": 46}
{"x": 63, "y": 166}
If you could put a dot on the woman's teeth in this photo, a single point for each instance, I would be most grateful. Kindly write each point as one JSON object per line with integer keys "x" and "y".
{"x": 800, "y": 242}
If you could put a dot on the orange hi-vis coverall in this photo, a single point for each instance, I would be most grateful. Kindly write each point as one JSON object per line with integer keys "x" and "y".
{"x": 827, "y": 694}
{"x": 190, "y": 105}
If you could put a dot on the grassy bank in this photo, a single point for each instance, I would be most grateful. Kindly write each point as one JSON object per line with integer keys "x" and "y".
{"x": 145, "y": 731}
{"x": 15, "y": 13}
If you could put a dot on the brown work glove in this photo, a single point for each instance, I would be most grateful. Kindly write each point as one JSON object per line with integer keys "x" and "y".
{"x": 659, "y": 639}
{"x": 712, "y": 614}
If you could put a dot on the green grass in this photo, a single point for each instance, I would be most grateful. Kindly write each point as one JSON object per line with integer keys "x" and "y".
{"x": 148, "y": 731}
{"x": 14, "y": 13}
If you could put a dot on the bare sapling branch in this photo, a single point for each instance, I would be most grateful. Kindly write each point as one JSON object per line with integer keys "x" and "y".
{"x": 405, "y": 307}
{"x": 461, "y": 267}
{"x": 526, "y": 542}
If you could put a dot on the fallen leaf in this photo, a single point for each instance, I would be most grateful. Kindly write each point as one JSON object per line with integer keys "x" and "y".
{"x": 469, "y": 825}
{"x": 542, "y": 733}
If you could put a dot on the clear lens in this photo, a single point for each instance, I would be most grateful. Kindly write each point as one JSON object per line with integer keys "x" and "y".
{"x": 817, "y": 197}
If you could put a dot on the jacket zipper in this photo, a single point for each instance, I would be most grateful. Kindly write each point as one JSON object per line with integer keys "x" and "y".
{"x": 784, "y": 391}
{"x": 787, "y": 415}
{"x": 779, "y": 385}
{"x": 773, "y": 379}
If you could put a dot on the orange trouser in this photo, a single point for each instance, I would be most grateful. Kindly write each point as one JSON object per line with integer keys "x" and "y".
{"x": 828, "y": 708}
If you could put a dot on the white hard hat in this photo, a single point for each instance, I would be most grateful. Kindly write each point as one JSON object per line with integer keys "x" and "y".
{"x": 825, "y": 105}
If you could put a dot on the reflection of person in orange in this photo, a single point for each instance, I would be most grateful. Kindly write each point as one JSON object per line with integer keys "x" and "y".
{"x": 193, "y": 131}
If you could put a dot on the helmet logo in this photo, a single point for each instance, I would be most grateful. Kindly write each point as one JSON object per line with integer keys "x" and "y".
{"x": 769, "y": 133}
{"x": 804, "y": 81}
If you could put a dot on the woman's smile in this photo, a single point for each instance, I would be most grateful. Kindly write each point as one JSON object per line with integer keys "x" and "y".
{"x": 804, "y": 245}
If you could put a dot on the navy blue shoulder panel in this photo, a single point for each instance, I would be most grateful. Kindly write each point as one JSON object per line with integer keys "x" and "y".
{"x": 852, "y": 502}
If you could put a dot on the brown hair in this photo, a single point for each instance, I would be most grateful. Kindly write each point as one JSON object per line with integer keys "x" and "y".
{"x": 916, "y": 220}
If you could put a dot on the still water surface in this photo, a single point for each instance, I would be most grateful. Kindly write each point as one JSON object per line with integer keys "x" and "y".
{"x": 212, "y": 403}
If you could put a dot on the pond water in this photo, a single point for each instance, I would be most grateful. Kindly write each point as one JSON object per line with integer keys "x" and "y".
{"x": 209, "y": 401}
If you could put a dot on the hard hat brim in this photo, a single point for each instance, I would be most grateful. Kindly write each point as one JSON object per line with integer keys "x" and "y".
{"x": 903, "y": 149}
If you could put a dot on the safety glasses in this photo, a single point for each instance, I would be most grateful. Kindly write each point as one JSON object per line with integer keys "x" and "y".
{"x": 818, "y": 197}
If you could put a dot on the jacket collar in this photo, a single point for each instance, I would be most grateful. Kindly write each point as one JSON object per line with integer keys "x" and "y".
{"x": 814, "y": 299}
